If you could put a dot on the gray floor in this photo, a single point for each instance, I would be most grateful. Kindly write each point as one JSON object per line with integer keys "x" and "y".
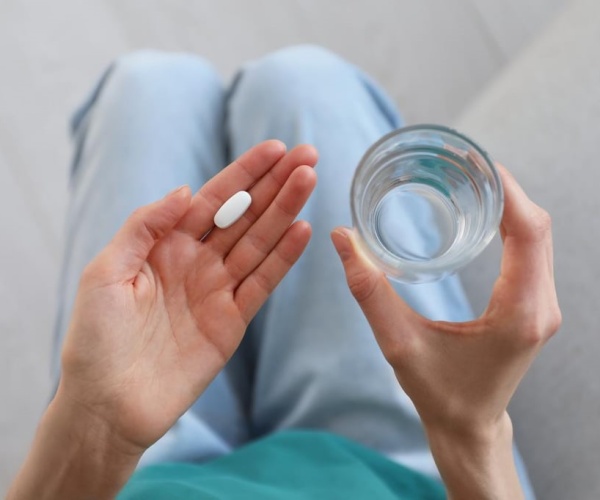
{"x": 433, "y": 56}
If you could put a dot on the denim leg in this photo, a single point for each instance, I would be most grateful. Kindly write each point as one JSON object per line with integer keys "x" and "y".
{"x": 153, "y": 122}
{"x": 317, "y": 364}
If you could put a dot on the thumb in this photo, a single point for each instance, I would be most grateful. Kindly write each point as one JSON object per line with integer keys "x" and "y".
{"x": 132, "y": 244}
{"x": 380, "y": 303}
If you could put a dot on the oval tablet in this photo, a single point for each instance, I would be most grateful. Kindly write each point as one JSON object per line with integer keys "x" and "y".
{"x": 232, "y": 209}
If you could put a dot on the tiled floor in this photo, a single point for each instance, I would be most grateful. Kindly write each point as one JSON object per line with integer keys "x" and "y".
{"x": 432, "y": 56}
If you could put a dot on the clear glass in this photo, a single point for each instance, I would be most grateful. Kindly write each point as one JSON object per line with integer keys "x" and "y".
{"x": 425, "y": 201}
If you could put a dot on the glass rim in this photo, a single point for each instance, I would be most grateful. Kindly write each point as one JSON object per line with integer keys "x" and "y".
{"x": 444, "y": 264}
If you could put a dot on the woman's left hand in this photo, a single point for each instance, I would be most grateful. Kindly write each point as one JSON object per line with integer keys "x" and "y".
{"x": 164, "y": 306}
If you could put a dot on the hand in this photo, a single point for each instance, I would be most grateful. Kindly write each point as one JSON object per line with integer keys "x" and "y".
{"x": 461, "y": 376}
{"x": 164, "y": 306}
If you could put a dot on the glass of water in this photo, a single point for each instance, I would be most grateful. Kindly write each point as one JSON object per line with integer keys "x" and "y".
{"x": 425, "y": 201}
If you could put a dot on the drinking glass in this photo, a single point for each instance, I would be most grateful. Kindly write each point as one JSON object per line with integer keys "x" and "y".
{"x": 425, "y": 201}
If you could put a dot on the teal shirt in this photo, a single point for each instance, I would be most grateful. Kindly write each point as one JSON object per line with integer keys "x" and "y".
{"x": 294, "y": 465}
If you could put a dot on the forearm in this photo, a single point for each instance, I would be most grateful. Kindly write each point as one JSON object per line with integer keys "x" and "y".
{"x": 477, "y": 466}
{"x": 73, "y": 455}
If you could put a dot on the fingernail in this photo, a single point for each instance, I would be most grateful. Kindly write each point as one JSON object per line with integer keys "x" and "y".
{"x": 341, "y": 242}
{"x": 176, "y": 190}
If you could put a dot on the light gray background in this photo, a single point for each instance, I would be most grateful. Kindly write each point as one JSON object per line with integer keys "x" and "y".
{"x": 433, "y": 56}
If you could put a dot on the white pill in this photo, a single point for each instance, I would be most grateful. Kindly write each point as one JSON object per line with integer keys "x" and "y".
{"x": 233, "y": 209}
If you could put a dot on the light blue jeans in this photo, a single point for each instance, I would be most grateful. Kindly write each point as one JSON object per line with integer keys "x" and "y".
{"x": 309, "y": 360}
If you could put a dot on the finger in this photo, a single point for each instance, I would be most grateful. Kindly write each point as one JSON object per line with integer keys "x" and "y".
{"x": 261, "y": 238}
{"x": 129, "y": 249}
{"x": 240, "y": 175}
{"x": 263, "y": 193}
{"x": 256, "y": 288}
{"x": 525, "y": 290}
{"x": 382, "y": 306}
{"x": 527, "y": 236}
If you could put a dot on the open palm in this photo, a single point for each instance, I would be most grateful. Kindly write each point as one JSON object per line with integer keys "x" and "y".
{"x": 164, "y": 306}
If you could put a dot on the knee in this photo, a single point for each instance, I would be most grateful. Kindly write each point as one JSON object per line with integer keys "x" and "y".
{"x": 295, "y": 76}
{"x": 300, "y": 61}
{"x": 151, "y": 74}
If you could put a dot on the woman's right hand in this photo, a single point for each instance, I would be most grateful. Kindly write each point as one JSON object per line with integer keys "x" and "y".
{"x": 461, "y": 376}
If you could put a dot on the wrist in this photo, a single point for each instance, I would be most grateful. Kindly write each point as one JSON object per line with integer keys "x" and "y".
{"x": 75, "y": 454}
{"x": 90, "y": 431}
{"x": 476, "y": 462}
{"x": 471, "y": 434}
